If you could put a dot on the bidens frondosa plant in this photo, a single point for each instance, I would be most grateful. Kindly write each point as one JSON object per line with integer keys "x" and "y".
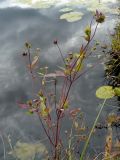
{"x": 48, "y": 103}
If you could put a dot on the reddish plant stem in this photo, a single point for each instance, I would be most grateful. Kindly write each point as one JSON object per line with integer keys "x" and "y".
{"x": 47, "y": 99}
{"x": 57, "y": 137}
{"x": 86, "y": 46}
{"x": 87, "y": 69}
{"x": 71, "y": 82}
{"x": 57, "y": 129}
{"x": 59, "y": 113}
{"x": 67, "y": 94}
{"x": 58, "y": 118}
{"x": 29, "y": 56}
{"x": 61, "y": 54}
{"x": 45, "y": 131}
{"x": 91, "y": 22}
{"x": 63, "y": 91}
{"x": 55, "y": 92}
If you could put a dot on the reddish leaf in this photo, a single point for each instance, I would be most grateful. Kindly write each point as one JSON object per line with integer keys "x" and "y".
{"x": 74, "y": 112}
{"x": 23, "y": 106}
{"x": 54, "y": 75}
{"x": 60, "y": 74}
{"x": 34, "y": 62}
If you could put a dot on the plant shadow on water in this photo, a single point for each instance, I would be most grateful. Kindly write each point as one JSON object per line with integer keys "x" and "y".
{"x": 26, "y": 26}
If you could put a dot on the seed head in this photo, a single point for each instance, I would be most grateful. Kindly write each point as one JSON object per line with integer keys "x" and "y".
{"x": 99, "y": 16}
{"x": 55, "y": 41}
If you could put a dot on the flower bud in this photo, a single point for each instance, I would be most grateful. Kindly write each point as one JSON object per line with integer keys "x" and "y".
{"x": 99, "y": 16}
{"x": 55, "y": 41}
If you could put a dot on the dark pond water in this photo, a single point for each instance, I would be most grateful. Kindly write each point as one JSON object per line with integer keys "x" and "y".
{"x": 41, "y": 27}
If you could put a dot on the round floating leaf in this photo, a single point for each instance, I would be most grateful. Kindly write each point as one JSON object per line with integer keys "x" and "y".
{"x": 117, "y": 91}
{"x": 90, "y": 5}
{"x": 76, "y": 2}
{"x": 72, "y": 16}
{"x": 66, "y": 9}
{"x": 103, "y": 7}
{"x": 39, "y": 3}
{"x": 28, "y": 2}
{"x": 105, "y": 92}
{"x": 27, "y": 151}
{"x": 42, "y": 5}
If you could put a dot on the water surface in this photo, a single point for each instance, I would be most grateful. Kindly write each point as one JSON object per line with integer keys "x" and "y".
{"x": 20, "y": 23}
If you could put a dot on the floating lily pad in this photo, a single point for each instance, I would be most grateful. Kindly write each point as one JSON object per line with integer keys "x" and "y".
{"x": 72, "y": 16}
{"x": 105, "y": 92}
{"x": 38, "y": 3}
{"x": 44, "y": 4}
{"x": 117, "y": 91}
{"x": 66, "y": 9}
{"x": 76, "y": 2}
{"x": 103, "y": 7}
{"x": 29, "y": 2}
{"x": 91, "y": 5}
{"x": 27, "y": 151}
{"x": 41, "y": 5}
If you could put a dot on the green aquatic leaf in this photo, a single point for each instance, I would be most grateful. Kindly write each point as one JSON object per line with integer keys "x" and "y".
{"x": 65, "y": 10}
{"x": 76, "y": 55}
{"x": 76, "y": 2}
{"x": 91, "y": 5}
{"x": 103, "y": 7}
{"x": 29, "y": 2}
{"x": 66, "y": 105}
{"x": 72, "y": 16}
{"x": 42, "y": 5}
{"x": 88, "y": 30}
{"x": 78, "y": 66}
{"x": 117, "y": 91}
{"x": 105, "y": 92}
{"x": 27, "y": 151}
{"x": 39, "y": 3}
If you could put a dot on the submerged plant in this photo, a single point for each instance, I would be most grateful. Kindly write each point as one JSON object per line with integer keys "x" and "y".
{"x": 28, "y": 151}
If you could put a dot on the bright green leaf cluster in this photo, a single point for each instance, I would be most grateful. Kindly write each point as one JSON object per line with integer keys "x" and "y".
{"x": 106, "y": 92}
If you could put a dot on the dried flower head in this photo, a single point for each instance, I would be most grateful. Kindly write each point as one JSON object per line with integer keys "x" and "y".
{"x": 24, "y": 53}
{"x": 99, "y": 16}
{"x": 28, "y": 45}
{"x": 55, "y": 41}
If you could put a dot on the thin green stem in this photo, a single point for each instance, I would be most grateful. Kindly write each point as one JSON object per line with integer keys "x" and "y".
{"x": 30, "y": 63}
{"x": 90, "y": 134}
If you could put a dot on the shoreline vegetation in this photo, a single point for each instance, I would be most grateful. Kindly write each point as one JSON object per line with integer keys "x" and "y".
{"x": 113, "y": 65}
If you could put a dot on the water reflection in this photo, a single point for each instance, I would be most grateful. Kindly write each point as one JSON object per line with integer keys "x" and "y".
{"x": 18, "y": 25}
